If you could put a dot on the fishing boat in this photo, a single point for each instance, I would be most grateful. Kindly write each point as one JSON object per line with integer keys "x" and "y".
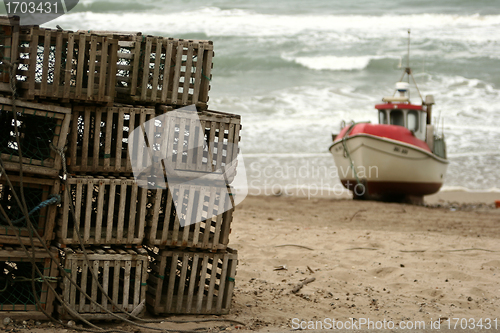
{"x": 402, "y": 158}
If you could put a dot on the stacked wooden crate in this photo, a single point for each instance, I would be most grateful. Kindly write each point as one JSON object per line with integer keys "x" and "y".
{"x": 79, "y": 97}
{"x": 31, "y": 134}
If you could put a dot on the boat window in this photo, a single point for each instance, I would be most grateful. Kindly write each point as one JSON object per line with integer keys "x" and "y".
{"x": 397, "y": 118}
{"x": 412, "y": 120}
{"x": 382, "y": 118}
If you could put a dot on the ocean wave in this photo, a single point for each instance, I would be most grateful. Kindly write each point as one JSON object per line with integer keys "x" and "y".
{"x": 335, "y": 63}
{"x": 236, "y": 22}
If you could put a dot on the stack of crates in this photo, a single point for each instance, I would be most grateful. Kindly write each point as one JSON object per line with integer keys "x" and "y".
{"x": 103, "y": 106}
{"x": 29, "y": 274}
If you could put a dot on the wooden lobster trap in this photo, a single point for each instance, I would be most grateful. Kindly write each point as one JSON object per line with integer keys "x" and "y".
{"x": 189, "y": 216}
{"x": 99, "y": 137}
{"x": 68, "y": 66}
{"x": 184, "y": 282}
{"x": 162, "y": 70}
{"x": 199, "y": 143}
{"x": 18, "y": 299}
{"x": 42, "y": 129}
{"x": 107, "y": 211}
{"x": 9, "y": 42}
{"x": 122, "y": 274}
{"x": 36, "y": 191}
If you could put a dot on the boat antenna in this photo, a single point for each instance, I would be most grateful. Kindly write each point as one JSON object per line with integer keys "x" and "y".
{"x": 408, "y": 63}
{"x": 409, "y": 71}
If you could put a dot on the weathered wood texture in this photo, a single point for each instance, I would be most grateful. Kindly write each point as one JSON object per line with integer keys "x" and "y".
{"x": 64, "y": 65}
{"x": 197, "y": 143}
{"x": 9, "y": 42}
{"x": 207, "y": 209}
{"x": 99, "y": 138}
{"x": 41, "y": 128}
{"x": 107, "y": 211}
{"x": 164, "y": 70}
{"x": 122, "y": 272}
{"x": 184, "y": 282}
{"x": 18, "y": 300}
{"x": 36, "y": 190}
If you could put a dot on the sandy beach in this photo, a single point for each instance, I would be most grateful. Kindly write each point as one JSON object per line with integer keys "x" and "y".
{"x": 370, "y": 260}
{"x": 366, "y": 260}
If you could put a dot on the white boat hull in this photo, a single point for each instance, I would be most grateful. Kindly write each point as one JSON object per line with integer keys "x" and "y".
{"x": 387, "y": 167}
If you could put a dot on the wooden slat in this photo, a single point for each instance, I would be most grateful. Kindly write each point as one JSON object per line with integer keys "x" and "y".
{"x": 219, "y": 219}
{"x": 86, "y": 135}
{"x": 100, "y": 208}
{"x": 206, "y": 77}
{"x": 108, "y": 138}
{"x": 97, "y": 138}
{"x": 182, "y": 282}
{"x": 119, "y": 140}
{"x": 178, "y": 198}
{"x": 220, "y": 146}
{"x": 139, "y": 225}
{"x": 156, "y": 70}
{"x": 133, "y": 205}
{"x": 105, "y": 281}
{"x": 228, "y": 290}
{"x": 155, "y": 202}
{"x": 57, "y": 66}
{"x": 131, "y": 127}
{"x": 201, "y": 286}
{"x": 177, "y": 72}
{"x": 111, "y": 204}
{"x": 198, "y": 217}
{"x": 210, "y": 217}
{"x": 135, "y": 67}
{"x": 112, "y": 72}
{"x": 191, "y": 193}
{"x": 93, "y": 305}
{"x": 45, "y": 63}
{"x": 146, "y": 69}
{"x": 166, "y": 71}
{"x": 171, "y": 282}
{"x": 33, "y": 66}
{"x": 121, "y": 212}
{"x": 211, "y": 287}
{"x": 192, "y": 284}
{"x": 222, "y": 286}
{"x": 211, "y": 148}
{"x": 88, "y": 210}
{"x": 198, "y": 73}
{"x": 180, "y": 164}
{"x": 126, "y": 285}
{"x": 78, "y": 208}
{"x": 103, "y": 69}
{"x": 230, "y": 145}
{"x": 92, "y": 61}
{"x": 194, "y": 125}
{"x": 83, "y": 285}
{"x": 116, "y": 281}
{"x": 200, "y": 146}
{"x": 139, "y": 267}
{"x": 187, "y": 75}
{"x": 80, "y": 66}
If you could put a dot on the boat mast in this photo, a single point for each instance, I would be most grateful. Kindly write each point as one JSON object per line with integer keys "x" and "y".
{"x": 408, "y": 70}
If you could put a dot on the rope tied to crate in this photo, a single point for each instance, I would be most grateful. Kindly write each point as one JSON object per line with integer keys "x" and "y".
{"x": 53, "y": 200}
{"x": 61, "y": 151}
{"x": 9, "y": 281}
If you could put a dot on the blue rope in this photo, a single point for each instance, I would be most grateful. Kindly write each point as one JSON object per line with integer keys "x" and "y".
{"x": 54, "y": 200}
